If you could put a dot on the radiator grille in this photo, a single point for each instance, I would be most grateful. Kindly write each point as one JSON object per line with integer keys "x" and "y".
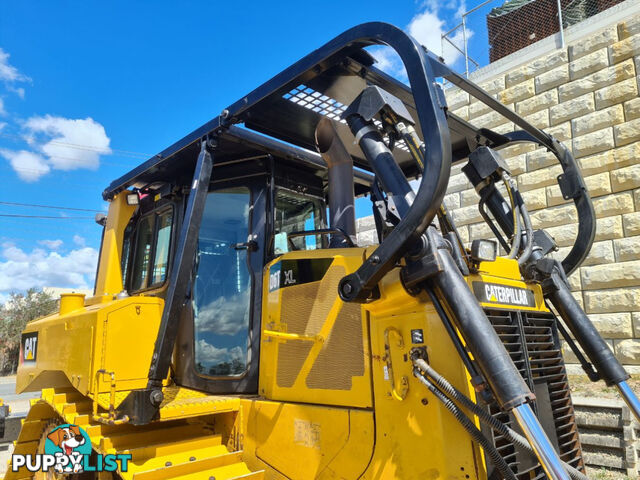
{"x": 531, "y": 338}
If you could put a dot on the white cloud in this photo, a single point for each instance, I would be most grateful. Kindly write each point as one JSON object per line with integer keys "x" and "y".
{"x": 207, "y": 354}
{"x": 20, "y": 270}
{"x": 58, "y": 143}
{"x": 51, "y": 244}
{"x": 9, "y": 73}
{"x": 78, "y": 240}
{"x": 2, "y": 109}
{"x": 225, "y": 315}
{"x": 28, "y": 165}
{"x": 427, "y": 27}
{"x": 69, "y": 144}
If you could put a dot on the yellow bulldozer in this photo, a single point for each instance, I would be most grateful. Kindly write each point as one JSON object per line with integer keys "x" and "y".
{"x": 237, "y": 330}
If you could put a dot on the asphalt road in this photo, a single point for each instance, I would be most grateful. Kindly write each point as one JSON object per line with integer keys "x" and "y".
{"x": 19, "y": 402}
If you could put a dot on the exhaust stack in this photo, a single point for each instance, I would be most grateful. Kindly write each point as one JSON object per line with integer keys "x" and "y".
{"x": 342, "y": 215}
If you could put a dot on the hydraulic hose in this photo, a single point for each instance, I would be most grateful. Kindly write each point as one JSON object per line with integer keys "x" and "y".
{"x": 528, "y": 229}
{"x": 484, "y": 416}
{"x": 468, "y": 425}
{"x": 515, "y": 242}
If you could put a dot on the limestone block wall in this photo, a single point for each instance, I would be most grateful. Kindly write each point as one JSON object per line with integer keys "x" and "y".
{"x": 586, "y": 95}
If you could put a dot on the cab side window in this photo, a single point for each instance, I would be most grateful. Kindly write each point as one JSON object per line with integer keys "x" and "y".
{"x": 296, "y": 212}
{"x": 151, "y": 250}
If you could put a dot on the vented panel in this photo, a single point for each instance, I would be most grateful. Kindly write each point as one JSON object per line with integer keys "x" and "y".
{"x": 342, "y": 354}
{"x": 305, "y": 309}
{"x": 531, "y": 338}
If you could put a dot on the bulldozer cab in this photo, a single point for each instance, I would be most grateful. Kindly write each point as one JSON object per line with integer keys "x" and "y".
{"x": 235, "y": 310}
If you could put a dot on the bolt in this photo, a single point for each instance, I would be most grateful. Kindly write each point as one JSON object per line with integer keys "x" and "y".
{"x": 156, "y": 397}
{"x": 225, "y": 113}
{"x": 347, "y": 288}
{"x": 375, "y": 259}
{"x": 168, "y": 464}
{"x": 192, "y": 459}
{"x": 425, "y": 401}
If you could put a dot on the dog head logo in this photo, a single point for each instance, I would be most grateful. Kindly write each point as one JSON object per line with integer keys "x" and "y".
{"x": 67, "y": 438}
{"x": 69, "y": 443}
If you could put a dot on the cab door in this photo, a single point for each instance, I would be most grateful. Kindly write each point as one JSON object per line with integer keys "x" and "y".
{"x": 219, "y": 337}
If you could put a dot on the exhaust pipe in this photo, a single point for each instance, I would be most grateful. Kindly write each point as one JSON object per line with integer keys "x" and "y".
{"x": 342, "y": 215}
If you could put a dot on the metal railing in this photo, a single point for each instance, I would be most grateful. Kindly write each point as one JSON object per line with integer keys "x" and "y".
{"x": 502, "y": 27}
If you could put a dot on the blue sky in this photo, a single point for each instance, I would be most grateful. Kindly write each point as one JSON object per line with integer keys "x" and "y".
{"x": 122, "y": 80}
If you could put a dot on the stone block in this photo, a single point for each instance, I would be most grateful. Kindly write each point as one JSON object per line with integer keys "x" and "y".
{"x": 539, "y": 178}
{"x": 467, "y": 215}
{"x": 463, "y": 230}
{"x": 593, "y": 142}
{"x": 536, "y": 67}
{"x": 563, "y": 235}
{"x": 612, "y": 300}
{"x": 625, "y": 178}
{"x": 456, "y": 98}
{"x": 615, "y": 204}
{"x": 540, "y": 158}
{"x": 478, "y": 108}
{"x": 609, "y": 228}
{"x": 628, "y": 351}
{"x": 623, "y": 274}
{"x": 452, "y": 201}
{"x": 517, "y": 149}
{"x": 517, "y": 92}
{"x": 462, "y": 112}
{"x": 627, "y": 155}
{"x": 366, "y": 238}
{"x": 469, "y": 197}
{"x": 613, "y": 325}
{"x": 480, "y": 231}
{"x": 554, "y": 216}
{"x": 618, "y": 93}
{"x": 552, "y": 78}
{"x": 535, "y": 199}
{"x": 537, "y": 103}
{"x": 627, "y": 249}
{"x": 560, "y": 132}
{"x": 631, "y": 224}
{"x": 517, "y": 165}
{"x": 571, "y": 109}
{"x": 504, "y": 128}
{"x": 602, "y": 78}
{"x": 597, "y": 185}
{"x": 635, "y": 318}
{"x": 365, "y": 223}
{"x": 626, "y": 133}
{"x": 629, "y": 27}
{"x": 589, "y": 63}
{"x": 624, "y": 49}
{"x": 493, "y": 85}
{"x": 597, "y": 120}
{"x": 632, "y": 109}
{"x": 457, "y": 183}
{"x": 593, "y": 42}
{"x": 489, "y": 120}
{"x": 539, "y": 119}
{"x": 600, "y": 253}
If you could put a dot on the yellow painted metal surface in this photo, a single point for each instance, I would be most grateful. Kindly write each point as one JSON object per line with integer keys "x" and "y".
{"x": 307, "y": 441}
{"x": 505, "y": 271}
{"x": 319, "y": 310}
{"x": 416, "y": 438}
{"x": 195, "y": 447}
{"x": 117, "y": 336}
{"x": 109, "y": 279}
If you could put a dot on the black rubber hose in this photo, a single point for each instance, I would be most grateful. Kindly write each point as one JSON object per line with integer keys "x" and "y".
{"x": 468, "y": 425}
{"x": 483, "y": 415}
